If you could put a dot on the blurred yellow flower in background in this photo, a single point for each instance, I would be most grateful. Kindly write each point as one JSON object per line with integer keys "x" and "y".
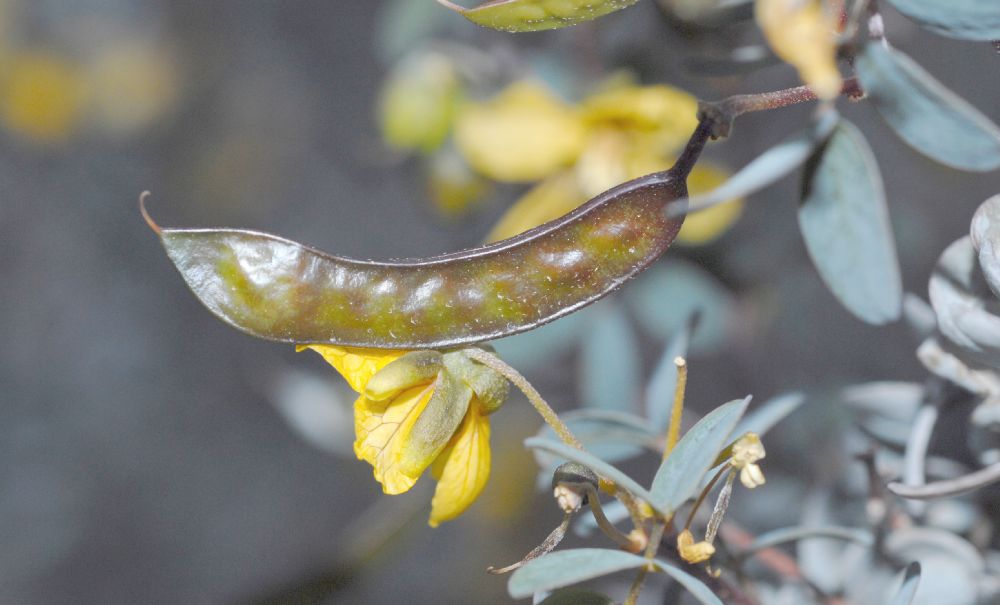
{"x": 41, "y": 96}
{"x": 522, "y": 135}
{"x": 418, "y": 410}
{"x": 630, "y": 131}
{"x": 130, "y": 84}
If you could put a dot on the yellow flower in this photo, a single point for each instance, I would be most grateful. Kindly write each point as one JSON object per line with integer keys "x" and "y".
{"x": 746, "y": 452}
{"x": 41, "y": 97}
{"x": 802, "y": 33}
{"x": 420, "y": 410}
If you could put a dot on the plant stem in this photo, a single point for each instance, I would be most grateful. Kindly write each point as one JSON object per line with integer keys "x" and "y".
{"x": 722, "y": 113}
{"x": 552, "y": 419}
{"x": 689, "y": 157}
{"x": 674, "y": 430}
{"x": 544, "y": 409}
{"x": 605, "y": 525}
{"x": 652, "y": 547}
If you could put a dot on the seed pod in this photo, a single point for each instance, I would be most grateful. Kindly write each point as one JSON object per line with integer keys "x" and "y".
{"x": 277, "y": 289}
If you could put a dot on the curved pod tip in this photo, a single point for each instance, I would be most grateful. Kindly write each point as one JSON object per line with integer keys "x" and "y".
{"x": 145, "y": 213}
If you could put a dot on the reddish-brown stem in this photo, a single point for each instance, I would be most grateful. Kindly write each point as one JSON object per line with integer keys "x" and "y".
{"x": 722, "y": 113}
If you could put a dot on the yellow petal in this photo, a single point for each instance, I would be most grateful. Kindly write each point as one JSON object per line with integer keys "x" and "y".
{"x": 802, "y": 33}
{"x": 668, "y": 115}
{"x": 522, "y": 135}
{"x": 356, "y": 365}
{"x": 41, "y": 96}
{"x": 550, "y": 199}
{"x": 462, "y": 469}
{"x": 382, "y": 428}
{"x": 707, "y": 225}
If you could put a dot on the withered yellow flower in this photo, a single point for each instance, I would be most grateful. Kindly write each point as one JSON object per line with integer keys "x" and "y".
{"x": 418, "y": 410}
{"x": 693, "y": 552}
{"x": 802, "y": 33}
{"x": 747, "y": 450}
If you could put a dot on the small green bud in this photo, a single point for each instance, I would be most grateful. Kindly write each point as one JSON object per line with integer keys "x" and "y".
{"x": 490, "y": 387}
{"x": 569, "y": 485}
{"x": 409, "y": 370}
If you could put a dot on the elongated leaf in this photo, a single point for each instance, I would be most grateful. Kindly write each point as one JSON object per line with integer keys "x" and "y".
{"x": 929, "y": 117}
{"x": 792, "y": 534}
{"x": 845, "y": 224}
{"x": 773, "y": 411}
{"x": 666, "y": 297}
{"x": 566, "y": 567}
{"x": 911, "y": 581}
{"x": 661, "y": 387}
{"x": 680, "y": 474}
{"x": 536, "y": 15}
{"x": 595, "y": 464}
{"x": 767, "y": 168}
{"x": 610, "y": 363}
{"x": 966, "y": 19}
{"x": 608, "y": 435}
{"x": 696, "y": 587}
{"x": 576, "y": 596}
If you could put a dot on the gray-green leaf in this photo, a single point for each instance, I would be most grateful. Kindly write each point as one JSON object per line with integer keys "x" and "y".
{"x": 924, "y": 113}
{"x": 908, "y": 590}
{"x": 566, "y": 567}
{"x": 985, "y": 233}
{"x": 610, "y": 363}
{"x": 696, "y": 587}
{"x": 663, "y": 384}
{"x": 764, "y": 418}
{"x": 966, "y": 19}
{"x": 576, "y": 596}
{"x": 679, "y": 477}
{"x": 845, "y": 224}
{"x": 595, "y": 464}
{"x": 767, "y": 168}
{"x": 968, "y": 313}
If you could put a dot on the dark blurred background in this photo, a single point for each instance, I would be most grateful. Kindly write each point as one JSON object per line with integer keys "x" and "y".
{"x": 149, "y": 453}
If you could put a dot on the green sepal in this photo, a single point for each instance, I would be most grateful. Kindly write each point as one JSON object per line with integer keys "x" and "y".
{"x": 490, "y": 387}
{"x": 409, "y": 370}
{"x": 438, "y": 421}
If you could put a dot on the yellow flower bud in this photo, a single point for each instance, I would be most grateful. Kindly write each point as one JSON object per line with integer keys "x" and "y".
{"x": 693, "y": 552}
